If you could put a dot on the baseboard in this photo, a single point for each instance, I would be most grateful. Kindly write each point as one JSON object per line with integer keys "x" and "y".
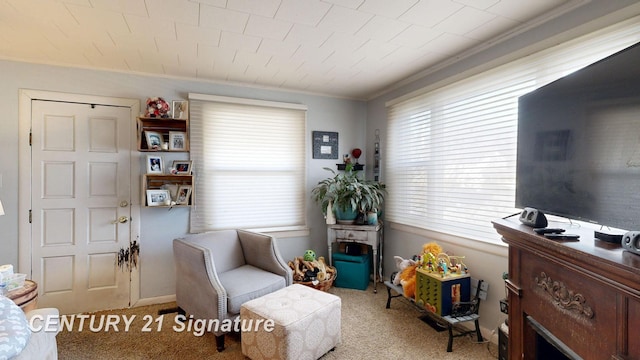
{"x": 155, "y": 300}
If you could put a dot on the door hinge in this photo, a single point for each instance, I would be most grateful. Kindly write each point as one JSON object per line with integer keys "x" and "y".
{"x": 30, "y": 216}
{"x": 30, "y": 138}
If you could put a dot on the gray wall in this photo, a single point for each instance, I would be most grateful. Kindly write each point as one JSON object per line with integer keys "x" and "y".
{"x": 159, "y": 226}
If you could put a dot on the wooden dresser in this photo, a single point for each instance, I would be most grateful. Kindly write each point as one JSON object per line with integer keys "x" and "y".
{"x": 582, "y": 296}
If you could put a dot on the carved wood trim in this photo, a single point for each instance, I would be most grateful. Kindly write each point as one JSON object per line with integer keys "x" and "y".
{"x": 565, "y": 298}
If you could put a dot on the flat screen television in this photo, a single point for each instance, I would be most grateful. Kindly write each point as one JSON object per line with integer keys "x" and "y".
{"x": 579, "y": 144}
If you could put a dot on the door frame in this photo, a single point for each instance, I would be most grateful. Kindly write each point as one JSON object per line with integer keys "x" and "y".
{"x": 25, "y": 97}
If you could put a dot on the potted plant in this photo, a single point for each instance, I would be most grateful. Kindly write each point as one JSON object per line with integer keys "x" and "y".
{"x": 348, "y": 195}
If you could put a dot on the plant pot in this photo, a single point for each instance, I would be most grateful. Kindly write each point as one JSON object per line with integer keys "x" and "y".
{"x": 372, "y": 218}
{"x": 346, "y": 216}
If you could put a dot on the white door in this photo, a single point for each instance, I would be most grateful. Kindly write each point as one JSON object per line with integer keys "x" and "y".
{"x": 80, "y": 204}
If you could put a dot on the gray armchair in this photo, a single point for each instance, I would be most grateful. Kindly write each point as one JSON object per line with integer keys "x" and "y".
{"x": 218, "y": 271}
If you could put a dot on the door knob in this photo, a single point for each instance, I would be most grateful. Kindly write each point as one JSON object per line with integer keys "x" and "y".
{"x": 121, "y": 220}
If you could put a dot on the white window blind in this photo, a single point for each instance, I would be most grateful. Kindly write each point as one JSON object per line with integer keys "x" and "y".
{"x": 249, "y": 161}
{"x": 452, "y": 151}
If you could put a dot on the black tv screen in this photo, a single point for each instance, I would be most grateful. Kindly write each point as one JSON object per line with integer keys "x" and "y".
{"x": 579, "y": 144}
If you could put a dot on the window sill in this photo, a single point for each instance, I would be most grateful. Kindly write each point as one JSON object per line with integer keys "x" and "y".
{"x": 284, "y": 232}
{"x": 499, "y": 249}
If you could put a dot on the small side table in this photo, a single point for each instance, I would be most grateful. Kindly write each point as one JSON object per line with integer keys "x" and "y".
{"x": 26, "y": 297}
{"x": 371, "y": 235}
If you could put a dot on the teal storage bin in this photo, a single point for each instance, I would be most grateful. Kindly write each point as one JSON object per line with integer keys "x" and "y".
{"x": 353, "y": 270}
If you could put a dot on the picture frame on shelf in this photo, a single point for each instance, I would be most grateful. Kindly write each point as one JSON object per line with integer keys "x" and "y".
{"x": 181, "y": 167}
{"x": 177, "y": 140}
{"x": 155, "y": 164}
{"x": 184, "y": 195}
{"x": 180, "y": 109}
{"x": 172, "y": 188}
{"x": 154, "y": 140}
{"x": 158, "y": 197}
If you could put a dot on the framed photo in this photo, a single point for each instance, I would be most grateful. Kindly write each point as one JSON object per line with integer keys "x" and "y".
{"x": 181, "y": 167}
{"x": 325, "y": 145}
{"x": 177, "y": 140}
{"x": 154, "y": 140}
{"x": 154, "y": 164}
{"x": 158, "y": 198}
{"x": 180, "y": 109}
{"x": 184, "y": 195}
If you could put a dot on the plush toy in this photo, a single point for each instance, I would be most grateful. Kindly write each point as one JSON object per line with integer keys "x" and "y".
{"x": 309, "y": 255}
{"x": 157, "y": 107}
{"x": 406, "y": 276}
{"x": 401, "y": 264}
{"x": 305, "y": 271}
{"x": 431, "y": 248}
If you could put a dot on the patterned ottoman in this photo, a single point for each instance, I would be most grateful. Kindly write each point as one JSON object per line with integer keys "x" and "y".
{"x": 306, "y": 324}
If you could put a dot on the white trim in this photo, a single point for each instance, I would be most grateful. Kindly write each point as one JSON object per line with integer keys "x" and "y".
{"x": 154, "y": 300}
{"x": 285, "y": 232}
{"x": 25, "y": 97}
{"x": 245, "y": 101}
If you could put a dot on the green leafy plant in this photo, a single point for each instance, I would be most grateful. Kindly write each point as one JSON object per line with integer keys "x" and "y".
{"x": 348, "y": 192}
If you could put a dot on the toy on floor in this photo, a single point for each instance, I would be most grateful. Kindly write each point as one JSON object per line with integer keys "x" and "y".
{"x": 406, "y": 275}
{"x": 309, "y": 255}
{"x": 432, "y": 259}
{"x": 316, "y": 269}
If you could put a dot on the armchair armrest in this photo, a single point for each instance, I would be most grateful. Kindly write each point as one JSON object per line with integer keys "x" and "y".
{"x": 261, "y": 251}
{"x": 198, "y": 285}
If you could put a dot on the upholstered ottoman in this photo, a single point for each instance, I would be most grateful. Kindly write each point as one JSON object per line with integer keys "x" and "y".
{"x": 305, "y": 324}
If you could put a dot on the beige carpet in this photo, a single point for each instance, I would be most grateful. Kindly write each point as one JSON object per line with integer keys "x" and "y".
{"x": 368, "y": 330}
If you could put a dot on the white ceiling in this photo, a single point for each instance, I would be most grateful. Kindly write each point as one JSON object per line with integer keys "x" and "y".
{"x": 346, "y": 48}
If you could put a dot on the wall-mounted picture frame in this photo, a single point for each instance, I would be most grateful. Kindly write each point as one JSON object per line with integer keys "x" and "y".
{"x": 180, "y": 109}
{"x": 154, "y": 140}
{"x": 158, "y": 197}
{"x": 181, "y": 167}
{"x": 177, "y": 140}
{"x": 155, "y": 164}
{"x": 325, "y": 145}
{"x": 184, "y": 195}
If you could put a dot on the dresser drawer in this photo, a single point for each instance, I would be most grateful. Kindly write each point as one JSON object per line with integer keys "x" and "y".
{"x": 352, "y": 235}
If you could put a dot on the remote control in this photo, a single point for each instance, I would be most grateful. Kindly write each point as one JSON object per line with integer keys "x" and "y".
{"x": 543, "y": 231}
{"x": 562, "y": 236}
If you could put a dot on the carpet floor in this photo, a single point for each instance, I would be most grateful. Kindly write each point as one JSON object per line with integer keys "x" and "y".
{"x": 368, "y": 330}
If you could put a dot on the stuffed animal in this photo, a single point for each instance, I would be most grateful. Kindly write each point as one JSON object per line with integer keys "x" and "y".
{"x": 406, "y": 276}
{"x": 309, "y": 255}
{"x": 305, "y": 271}
{"x": 157, "y": 107}
{"x": 432, "y": 248}
{"x": 401, "y": 264}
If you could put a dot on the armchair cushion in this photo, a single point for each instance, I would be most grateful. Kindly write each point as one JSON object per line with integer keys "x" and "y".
{"x": 247, "y": 283}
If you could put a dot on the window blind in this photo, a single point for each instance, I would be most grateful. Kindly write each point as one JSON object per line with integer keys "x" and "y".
{"x": 249, "y": 158}
{"x": 452, "y": 151}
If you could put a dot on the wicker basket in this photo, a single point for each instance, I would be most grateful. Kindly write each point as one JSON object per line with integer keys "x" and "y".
{"x": 322, "y": 285}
